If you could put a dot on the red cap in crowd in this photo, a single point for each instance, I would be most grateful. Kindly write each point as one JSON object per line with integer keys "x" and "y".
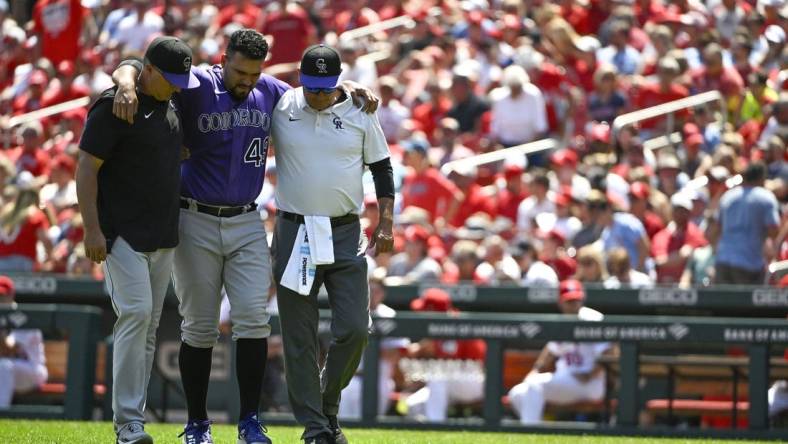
{"x": 91, "y": 57}
{"x": 563, "y": 199}
{"x": 571, "y": 290}
{"x": 416, "y": 233}
{"x": 64, "y": 161}
{"x": 6, "y": 286}
{"x": 640, "y": 190}
{"x": 66, "y": 68}
{"x": 554, "y": 235}
{"x": 600, "y": 133}
{"x": 510, "y": 21}
{"x": 513, "y": 170}
{"x": 693, "y": 140}
{"x": 475, "y": 17}
{"x": 433, "y": 299}
{"x": 690, "y": 128}
{"x": 38, "y": 77}
{"x": 564, "y": 157}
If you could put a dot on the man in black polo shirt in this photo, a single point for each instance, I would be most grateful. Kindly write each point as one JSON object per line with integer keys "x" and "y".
{"x": 128, "y": 185}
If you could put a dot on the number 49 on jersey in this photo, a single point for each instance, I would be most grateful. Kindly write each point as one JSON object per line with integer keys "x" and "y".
{"x": 257, "y": 152}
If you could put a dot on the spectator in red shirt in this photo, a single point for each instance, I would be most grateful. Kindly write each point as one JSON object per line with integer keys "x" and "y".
{"x": 13, "y": 54}
{"x": 241, "y": 12}
{"x": 354, "y": 16}
{"x": 463, "y": 383}
{"x": 664, "y": 90}
{"x": 564, "y": 176}
{"x": 22, "y": 226}
{"x": 61, "y": 192}
{"x": 413, "y": 265}
{"x": 577, "y": 15}
{"x": 428, "y": 114}
{"x": 60, "y": 23}
{"x": 291, "y": 30}
{"x": 714, "y": 75}
{"x": 647, "y": 9}
{"x": 554, "y": 254}
{"x": 425, "y": 187}
{"x": 32, "y": 99}
{"x": 462, "y": 264}
{"x": 513, "y": 193}
{"x": 29, "y": 156}
{"x": 72, "y": 123}
{"x": 476, "y": 198}
{"x": 639, "y": 193}
{"x": 673, "y": 245}
{"x": 63, "y": 88}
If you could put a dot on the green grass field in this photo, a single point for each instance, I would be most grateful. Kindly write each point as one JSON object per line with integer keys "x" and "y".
{"x": 52, "y": 432}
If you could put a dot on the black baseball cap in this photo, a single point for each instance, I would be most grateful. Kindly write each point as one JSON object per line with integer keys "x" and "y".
{"x": 174, "y": 59}
{"x": 320, "y": 67}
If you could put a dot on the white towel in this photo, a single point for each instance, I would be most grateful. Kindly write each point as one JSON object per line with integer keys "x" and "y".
{"x": 321, "y": 239}
{"x": 313, "y": 246}
{"x": 299, "y": 274}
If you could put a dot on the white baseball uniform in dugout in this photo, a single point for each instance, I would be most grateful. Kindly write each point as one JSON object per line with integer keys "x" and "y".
{"x": 562, "y": 386}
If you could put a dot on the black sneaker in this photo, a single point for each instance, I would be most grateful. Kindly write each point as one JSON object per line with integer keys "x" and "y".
{"x": 323, "y": 438}
{"x": 333, "y": 424}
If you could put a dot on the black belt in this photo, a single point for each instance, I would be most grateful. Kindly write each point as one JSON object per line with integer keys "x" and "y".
{"x": 219, "y": 211}
{"x": 335, "y": 221}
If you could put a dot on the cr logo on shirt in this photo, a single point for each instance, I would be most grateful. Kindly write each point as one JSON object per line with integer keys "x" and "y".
{"x": 337, "y": 122}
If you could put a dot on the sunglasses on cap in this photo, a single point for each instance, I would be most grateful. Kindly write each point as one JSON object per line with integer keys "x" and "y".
{"x": 320, "y": 90}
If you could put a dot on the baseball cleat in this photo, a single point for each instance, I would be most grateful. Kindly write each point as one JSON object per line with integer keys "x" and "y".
{"x": 197, "y": 432}
{"x": 333, "y": 424}
{"x": 323, "y": 438}
{"x": 133, "y": 433}
{"x": 252, "y": 431}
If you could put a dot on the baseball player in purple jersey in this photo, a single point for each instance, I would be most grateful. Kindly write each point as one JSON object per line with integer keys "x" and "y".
{"x": 226, "y": 122}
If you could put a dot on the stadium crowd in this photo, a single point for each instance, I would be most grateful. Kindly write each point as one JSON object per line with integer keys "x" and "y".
{"x": 467, "y": 77}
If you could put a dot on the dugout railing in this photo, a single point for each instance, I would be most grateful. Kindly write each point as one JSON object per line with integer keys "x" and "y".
{"x": 668, "y": 110}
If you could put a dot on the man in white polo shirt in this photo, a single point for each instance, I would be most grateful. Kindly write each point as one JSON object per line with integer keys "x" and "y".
{"x": 322, "y": 143}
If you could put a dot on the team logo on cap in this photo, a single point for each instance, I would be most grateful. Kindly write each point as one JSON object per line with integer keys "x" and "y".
{"x": 322, "y": 68}
{"x": 187, "y": 62}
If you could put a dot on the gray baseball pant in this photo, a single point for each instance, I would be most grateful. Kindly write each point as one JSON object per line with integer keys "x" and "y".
{"x": 313, "y": 394}
{"x": 137, "y": 284}
{"x": 215, "y": 251}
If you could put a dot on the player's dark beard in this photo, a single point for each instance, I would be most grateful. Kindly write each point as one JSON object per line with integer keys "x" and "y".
{"x": 240, "y": 92}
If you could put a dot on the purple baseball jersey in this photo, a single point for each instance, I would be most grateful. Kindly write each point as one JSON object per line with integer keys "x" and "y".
{"x": 227, "y": 138}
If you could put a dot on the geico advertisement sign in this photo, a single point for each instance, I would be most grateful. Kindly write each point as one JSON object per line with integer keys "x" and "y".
{"x": 667, "y": 296}
{"x": 35, "y": 285}
{"x": 770, "y": 297}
